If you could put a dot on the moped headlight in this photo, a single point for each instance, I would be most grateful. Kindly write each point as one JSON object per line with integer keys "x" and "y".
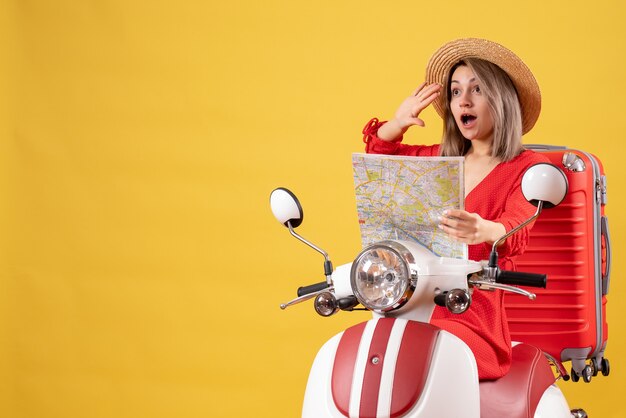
{"x": 381, "y": 278}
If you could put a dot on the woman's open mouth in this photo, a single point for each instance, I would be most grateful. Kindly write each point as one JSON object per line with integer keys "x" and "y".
{"x": 467, "y": 119}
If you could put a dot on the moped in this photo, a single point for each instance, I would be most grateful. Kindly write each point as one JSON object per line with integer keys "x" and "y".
{"x": 399, "y": 365}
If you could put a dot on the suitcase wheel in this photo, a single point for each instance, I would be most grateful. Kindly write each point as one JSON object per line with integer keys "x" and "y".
{"x": 594, "y": 366}
{"x": 586, "y": 374}
{"x": 605, "y": 367}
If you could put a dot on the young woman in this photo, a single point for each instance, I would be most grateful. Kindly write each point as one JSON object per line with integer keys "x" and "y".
{"x": 488, "y": 99}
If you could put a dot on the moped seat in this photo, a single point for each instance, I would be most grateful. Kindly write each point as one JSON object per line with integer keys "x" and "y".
{"x": 516, "y": 394}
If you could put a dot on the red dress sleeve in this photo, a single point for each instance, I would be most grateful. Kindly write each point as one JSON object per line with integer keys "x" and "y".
{"x": 499, "y": 198}
{"x": 375, "y": 145}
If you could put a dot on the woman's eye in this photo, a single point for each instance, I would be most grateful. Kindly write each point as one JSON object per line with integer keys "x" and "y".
{"x": 456, "y": 92}
{"x": 477, "y": 89}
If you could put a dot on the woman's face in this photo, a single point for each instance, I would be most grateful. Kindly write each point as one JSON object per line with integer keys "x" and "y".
{"x": 469, "y": 106}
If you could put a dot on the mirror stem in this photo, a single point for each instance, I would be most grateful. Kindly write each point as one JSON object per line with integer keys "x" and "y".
{"x": 328, "y": 265}
{"x": 493, "y": 257}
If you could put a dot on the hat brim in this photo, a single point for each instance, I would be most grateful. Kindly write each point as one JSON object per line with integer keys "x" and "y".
{"x": 442, "y": 61}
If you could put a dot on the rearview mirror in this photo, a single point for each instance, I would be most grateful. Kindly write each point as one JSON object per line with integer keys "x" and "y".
{"x": 545, "y": 183}
{"x": 286, "y": 207}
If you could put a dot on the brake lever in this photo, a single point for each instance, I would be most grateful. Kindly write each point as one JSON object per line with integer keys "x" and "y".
{"x": 306, "y": 297}
{"x": 488, "y": 285}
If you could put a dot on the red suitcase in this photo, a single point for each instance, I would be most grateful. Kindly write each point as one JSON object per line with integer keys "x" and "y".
{"x": 569, "y": 243}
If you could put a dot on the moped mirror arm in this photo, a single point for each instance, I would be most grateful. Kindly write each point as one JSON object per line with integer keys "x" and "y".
{"x": 288, "y": 211}
{"x": 328, "y": 265}
{"x": 493, "y": 257}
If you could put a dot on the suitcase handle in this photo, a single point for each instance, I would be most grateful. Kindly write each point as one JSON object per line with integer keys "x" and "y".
{"x": 518, "y": 278}
{"x": 604, "y": 228}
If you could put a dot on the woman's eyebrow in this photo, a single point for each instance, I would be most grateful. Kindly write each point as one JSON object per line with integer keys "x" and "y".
{"x": 471, "y": 80}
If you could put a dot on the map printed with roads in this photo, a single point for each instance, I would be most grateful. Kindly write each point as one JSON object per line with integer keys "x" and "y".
{"x": 401, "y": 198}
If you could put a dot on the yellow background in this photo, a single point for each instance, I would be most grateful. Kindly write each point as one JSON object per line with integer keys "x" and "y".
{"x": 141, "y": 269}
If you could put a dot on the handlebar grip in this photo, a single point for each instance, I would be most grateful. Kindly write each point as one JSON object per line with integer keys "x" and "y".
{"x": 305, "y": 290}
{"x": 518, "y": 278}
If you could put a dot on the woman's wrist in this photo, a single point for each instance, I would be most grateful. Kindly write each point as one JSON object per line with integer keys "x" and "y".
{"x": 495, "y": 231}
{"x": 391, "y": 131}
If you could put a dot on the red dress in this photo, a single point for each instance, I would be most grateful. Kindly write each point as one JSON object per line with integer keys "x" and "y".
{"x": 498, "y": 197}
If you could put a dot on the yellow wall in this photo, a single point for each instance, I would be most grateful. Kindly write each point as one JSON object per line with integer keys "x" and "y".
{"x": 141, "y": 269}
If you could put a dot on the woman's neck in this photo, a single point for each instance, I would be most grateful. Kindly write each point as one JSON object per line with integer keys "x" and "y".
{"x": 480, "y": 149}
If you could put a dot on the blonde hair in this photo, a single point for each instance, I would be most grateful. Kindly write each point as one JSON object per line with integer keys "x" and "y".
{"x": 505, "y": 109}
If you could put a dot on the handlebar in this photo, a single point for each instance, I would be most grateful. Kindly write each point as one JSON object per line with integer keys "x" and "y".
{"x": 518, "y": 278}
{"x": 305, "y": 290}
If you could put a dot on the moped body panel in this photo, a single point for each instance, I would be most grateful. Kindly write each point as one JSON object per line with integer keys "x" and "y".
{"x": 553, "y": 404}
{"x": 393, "y": 368}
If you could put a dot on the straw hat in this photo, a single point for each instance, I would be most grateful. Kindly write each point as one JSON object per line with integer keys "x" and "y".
{"x": 451, "y": 53}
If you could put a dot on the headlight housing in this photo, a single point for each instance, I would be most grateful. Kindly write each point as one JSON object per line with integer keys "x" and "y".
{"x": 381, "y": 277}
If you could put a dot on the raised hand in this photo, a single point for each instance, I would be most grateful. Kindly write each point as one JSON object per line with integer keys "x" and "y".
{"x": 409, "y": 110}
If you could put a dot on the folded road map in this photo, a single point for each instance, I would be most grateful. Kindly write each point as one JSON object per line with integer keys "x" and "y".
{"x": 400, "y": 197}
